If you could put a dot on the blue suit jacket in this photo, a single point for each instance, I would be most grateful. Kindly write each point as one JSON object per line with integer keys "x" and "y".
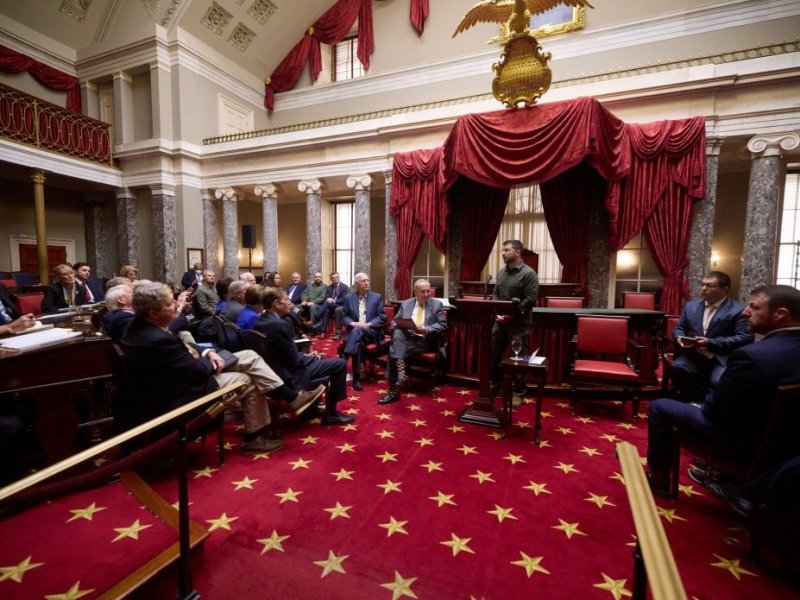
{"x": 337, "y": 292}
{"x": 376, "y": 316}
{"x": 435, "y": 318}
{"x": 726, "y": 331}
{"x": 280, "y": 350}
{"x": 97, "y": 289}
{"x": 297, "y": 292}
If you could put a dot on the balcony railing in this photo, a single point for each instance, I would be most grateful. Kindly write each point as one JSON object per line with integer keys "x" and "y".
{"x": 30, "y": 120}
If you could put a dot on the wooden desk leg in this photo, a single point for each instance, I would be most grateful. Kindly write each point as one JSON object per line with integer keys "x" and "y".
{"x": 505, "y": 392}
{"x": 537, "y": 424}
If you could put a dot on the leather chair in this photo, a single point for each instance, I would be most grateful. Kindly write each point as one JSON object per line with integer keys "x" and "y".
{"x": 643, "y": 300}
{"x": 564, "y": 301}
{"x": 604, "y": 356}
{"x": 370, "y": 353}
{"x": 434, "y": 362}
{"x": 9, "y": 284}
{"x": 24, "y": 278}
{"x": 29, "y": 303}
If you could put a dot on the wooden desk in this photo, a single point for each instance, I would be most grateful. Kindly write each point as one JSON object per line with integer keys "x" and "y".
{"x": 538, "y": 373}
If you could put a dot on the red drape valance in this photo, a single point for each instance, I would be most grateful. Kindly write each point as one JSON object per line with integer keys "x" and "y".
{"x": 14, "y": 62}
{"x": 419, "y": 12}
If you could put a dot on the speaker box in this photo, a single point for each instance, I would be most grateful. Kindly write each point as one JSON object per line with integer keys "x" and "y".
{"x": 248, "y": 236}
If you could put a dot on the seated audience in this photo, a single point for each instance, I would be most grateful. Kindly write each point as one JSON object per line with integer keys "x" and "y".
{"x": 709, "y": 329}
{"x": 129, "y": 271}
{"x": 169, "y": 373}
{"x": 312, "y": 298}
{"x": 272, "y": 279}
{"x": 295, "y": 289}
{"x": 334, "y": 298}
{"x": 193, "y": 277}
{"x": 65, "y": 292}
{"x": 252, "y": 307}
{"x": 248, "y": 278}
{"x": 206, "y": 297}
{"x": 92, "y": 287}
{"x": 299, "y": 370}
{"x": 115, "y": 281}
{"x": 733, "y": 417}
{"x": 222, "y": 287}
{"x": 119, "y": 312}
{"x": 430, "y": 320}
{"x": 364, "y": 318}
{"x": 235, "y": 301}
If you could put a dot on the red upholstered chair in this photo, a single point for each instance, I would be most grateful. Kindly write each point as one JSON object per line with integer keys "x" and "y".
{"x": 602, "y": 358}
{"x": 434, "y": 362}
{"x": 371, "y": 352}
{"x": 29, "y": 303}
{"x": 643, "y": 300}
{"x": 563, "y": 301}
{"x": 9, "y": 283}
{"x": 668, "y": 349}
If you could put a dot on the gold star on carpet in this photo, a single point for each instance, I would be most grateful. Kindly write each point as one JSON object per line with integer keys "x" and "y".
{"x": 463, "y": 392}
{"x": 354, "y": 398}
{"x": 343, "y": 474}
{"x": 176, "y": 506}
{"x": 585, "y": 420}
{"x": 523, "y": 424}
{"x": 393, "y": 526}
{"x": 440, "y": 400}
{"x": 569, "y": 528}
{"x": 347, "y": 448}
{"x": 387, "y": 456}
{"x": 130, "y": 532}
{"x": 419, "y": 423}
{"x": 441, "y": 499}
{"x": 458, "y": 544}
{"x": 384, "y": 417}
{"x": 204, "y": 472}
{"x": 385, "y": 434}
{"x": 601, "y": 501}
{"x": 332, "y": 563}
{"x": 618, "y": 477}
{"x": 309, "y": 439}
{"x": 350, "y": 427}
{"x": 300, "y": 463}
{"x": 17, "y": 572}
{"x": 537, "y": 488}
{"x": 688, "y": 490}
{"x": 72, "y": 593}
{"x": 669, "y": 514}
{"x": 352, "y": 410}
{"x": 99, "y": 463}
{"x": 590, "y": 451}
{"x": 544, "y": 414}
{"x": 732, "y": 566}
{"x": 239, "y": 427}
{"x": 424, "y": 442}
{"x": 530, "y": 564}
{"x": 390, "y": 486}
{"x": 514, "y": 458}
{"x": 288, "y": 496}
{"x": 456, "y": 428}
{"x": 567, "y": 468}
{"x": 615, "y": 586}
{"x": 481, "y": 476}
{"x": 564, "y": 430}
{"x": 273, "y": 542}
{"x": 224, "y": 522}
{"x": 400, "y": 586}
{"x": 610, "y": 437}
{"x": 432, "y": 466}
{"x": 411, "y": 396}
{"x": 495, "y": 435}
{"x": 502, "y": 513}
{"x": 447, "y": 412}
{"x": 227, "y": 446}
{"x": 244, "y": 483}
{"x": 261, "y": 456}
{"x": 627, "y": 426}
{"x": 545, "y": 444}
{"x": 562, "y": 405}
{"x": 338, "y": 511}
{"x": 85, "y": 513}
{"x": 467, "y": 449}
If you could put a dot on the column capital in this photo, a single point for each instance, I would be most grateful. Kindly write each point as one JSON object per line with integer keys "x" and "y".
{"x": 359, "y": 182}
{"x": 124, "y": 193}
{"x": 162, "y": 189}
{"x": 88, "y": 85}
{"x": 772, "y": 145}
{"x": 206, "y": 194}
{"x": 714, "y": 145}
{"x": 266, "y": 190}
{"x": 387, "y": 176}
{"x": 38, "y": 176}
{"x": 310, "y": 186}
{"x": 228, "y": 193}
{"x": 122, "y": 75}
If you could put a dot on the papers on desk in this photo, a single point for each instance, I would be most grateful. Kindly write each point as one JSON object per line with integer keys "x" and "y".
{"x": 38, "y": 326}
{"x": 302, "y": 340}
{"x": 537, "y": 360}
{"x": 39, "y": 339}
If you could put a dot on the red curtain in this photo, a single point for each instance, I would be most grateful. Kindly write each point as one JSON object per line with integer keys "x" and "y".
{"x": 483, "y": 207}
{"x": 419, "y": 12}
{"x": 14, "y": 62}
{"x": 330, "y": 28}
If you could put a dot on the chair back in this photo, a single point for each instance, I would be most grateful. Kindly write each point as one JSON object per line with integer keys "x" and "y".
{"x": 602, "y": 334}
{"x": 29, "y": 303}
{"x": 25, "y": 278}
{"x": 563, "y": 301}
{"x": 643, "y": 300}
{"x": 251, "y": 339}
{"x": 9, "y": 283}
{"x": 780, "y": 440}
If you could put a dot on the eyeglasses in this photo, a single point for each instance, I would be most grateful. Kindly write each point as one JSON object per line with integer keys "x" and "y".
{"x": 703, "y": 284}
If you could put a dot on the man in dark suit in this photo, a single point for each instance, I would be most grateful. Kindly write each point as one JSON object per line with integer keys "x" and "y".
{"x": 734, "y": 415}
{"x": 430, "y": 322}
{"x": 7, "y": 306}
{"x": 193, "y": 277}
{"x": 65, "y": 292}
{"x": 364, "y": 318}
{"x": 299, "y": 370}
{"x": 168, "y": 373}
{"x": 295, "y": 289}
{"x": 92, "y": 287}
{"x": 334, "y": 298}
{"x": 709, "y": 329}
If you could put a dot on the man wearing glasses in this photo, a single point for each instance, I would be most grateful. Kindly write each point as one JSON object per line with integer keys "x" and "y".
{"x": 709, "y": 329}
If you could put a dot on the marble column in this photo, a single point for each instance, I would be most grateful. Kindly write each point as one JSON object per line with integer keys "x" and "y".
{"x": 269, "y": 223}
{"x": 165, "y": 244}
{"x": 209, "y": 230}
{"x": 763, "y": 205}
{"x": 362, "y": 247}
{"x": 41, "y": 227}
{"x": 702, "y": 232}
{"x": 96, "y": 239}
{"x": 312, "y": 189}
{"x": 230, "y": 231}
{"x": 391, "y": 242}
{"x": 128, "y": 227}
{"x": 455, "y": 250}
{"x": 599, "y": 265}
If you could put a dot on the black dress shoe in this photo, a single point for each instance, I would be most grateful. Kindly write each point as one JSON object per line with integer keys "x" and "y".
{"x": 730, "y": 494}
{"x": 337, "y": 419}
{"x": 703, "y": 476}
{"x": 389, "y": 398}
{"x": 357, "y": 385}
{"x": 659, "y": 484}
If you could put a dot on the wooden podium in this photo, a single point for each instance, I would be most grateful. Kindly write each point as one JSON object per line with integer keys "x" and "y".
{"x": 482, "y": 313}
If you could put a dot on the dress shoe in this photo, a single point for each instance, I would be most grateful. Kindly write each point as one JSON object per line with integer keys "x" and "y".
{"x": 305, "y": 399}
{"x": 262, "y": 445}
{"x": 703, "y": 476}
{"x": 337, "y": 419}
{"x": 357, "y": 385}
{"x": 731, "y": 494}
{"x": 659, "y": 484}
{"x": 392, "y": 396}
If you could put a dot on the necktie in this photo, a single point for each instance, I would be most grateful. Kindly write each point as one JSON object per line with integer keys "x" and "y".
{"x": 89, "y": 295}
{"x": 419, "y": 315}
{"x": 707, "y": 314}
{"x": 362, "y": 309}
{"x": 291, "y": 291}
{"x": 4, "y": 316}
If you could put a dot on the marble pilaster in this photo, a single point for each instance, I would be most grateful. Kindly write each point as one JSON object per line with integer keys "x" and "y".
{"x": 391, "y": 242}
{"x": 123, "y": 109}
{"x": 128, "y": 226}
{"x": 763, "y": 204}
{"x": 599, "y": 250}
{"x": 230, "y": 231}
{"x": 165, "y": 243}
{"x": 269, "y": 223}
{"x": 96, "y": 239}
{"x": 312, "y": 188}
{"x": 362, "y": 247}
{"x": 209, "y": 230}
{"x": 455, "y": 250}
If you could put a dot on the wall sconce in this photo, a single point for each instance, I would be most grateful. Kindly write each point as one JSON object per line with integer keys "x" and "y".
{"x": 714, "y": 258}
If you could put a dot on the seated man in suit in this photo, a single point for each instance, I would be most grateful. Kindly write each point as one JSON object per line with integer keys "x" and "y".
{"x": 235, "y": 301}
{"x": 298, "y": 370}
{"x": 430, "y": 320}
{"x": 295, "y": 289}
{"x": 169, "y": 373}
{"x": 709, "y": 329}
{"x": 65, "y": 292}
{"x": 119, "y": 312}
{"x": 8, "y": 310}
{"x": 92, "y": 287}
{"x": 334, "y": 298}
{"x": 364, "y": 318}
{"x": 733, "y": 417}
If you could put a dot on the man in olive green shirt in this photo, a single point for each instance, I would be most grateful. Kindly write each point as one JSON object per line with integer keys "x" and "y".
{"x": 313, "y": 296}
{"x": 515, "y": 281}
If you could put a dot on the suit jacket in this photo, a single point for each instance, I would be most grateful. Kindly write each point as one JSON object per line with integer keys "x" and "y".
{"x": 96, "y": 288}
{"x": 435, "y": 317}
{"x": 281, "y": 352}
{"x": 54, "y": 297}
{"x": 189, "y": 279}
{"x": 726, "y": 331}
{"x": 337, "y": 292}
{"x": 376, "y": 315}
{"x": 296, "y": 290}
{"x": 9, "y": 305}
{"x": 166, "y": 375}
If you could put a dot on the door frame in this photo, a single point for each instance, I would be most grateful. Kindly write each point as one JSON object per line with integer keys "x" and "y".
{"x": 15, "y": 241}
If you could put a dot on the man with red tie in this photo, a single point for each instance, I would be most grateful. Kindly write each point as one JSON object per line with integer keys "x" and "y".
{"x": 92, "y": 287}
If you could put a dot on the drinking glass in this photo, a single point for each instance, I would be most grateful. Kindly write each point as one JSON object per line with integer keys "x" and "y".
{"x": 516, "y": 347}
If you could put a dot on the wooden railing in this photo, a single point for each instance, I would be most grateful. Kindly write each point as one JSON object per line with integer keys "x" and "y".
{"x": 32, "y": 121}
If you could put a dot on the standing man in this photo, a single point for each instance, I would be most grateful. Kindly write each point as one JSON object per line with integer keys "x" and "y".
{"x": 710, "y": 328}
{"x": 364, "y": 317}
{"x": 334, "y": 298}
{"x": 92, "y": 288}
{"x": 516, "y": 281}
{"x": 193, "y": 276}
{"x": 206, "y": 297}
{"x": 295, "y": 289}
{"x": 430, "y": 322}
{"x": 312, "y": 298}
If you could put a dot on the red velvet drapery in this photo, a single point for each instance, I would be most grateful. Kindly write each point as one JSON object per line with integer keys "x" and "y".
{"x": 14, "y": 62}
{"x": 419, "y": 12}
{"x": 483, "y": 207}
{"x": 330, "y": 28}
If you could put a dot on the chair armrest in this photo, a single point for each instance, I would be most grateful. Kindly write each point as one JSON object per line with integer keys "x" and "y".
{"x": 634, "y": 354}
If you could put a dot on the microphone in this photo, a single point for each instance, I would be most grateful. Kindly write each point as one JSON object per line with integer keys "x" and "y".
{"x": 486, "y": 287}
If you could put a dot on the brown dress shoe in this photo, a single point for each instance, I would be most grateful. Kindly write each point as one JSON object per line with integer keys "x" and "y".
{"x": 305, "y": 399}
{"x": 262, "y": 445}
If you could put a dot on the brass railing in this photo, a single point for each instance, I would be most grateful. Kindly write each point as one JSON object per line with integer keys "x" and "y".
{"x": 32, "y": 121}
